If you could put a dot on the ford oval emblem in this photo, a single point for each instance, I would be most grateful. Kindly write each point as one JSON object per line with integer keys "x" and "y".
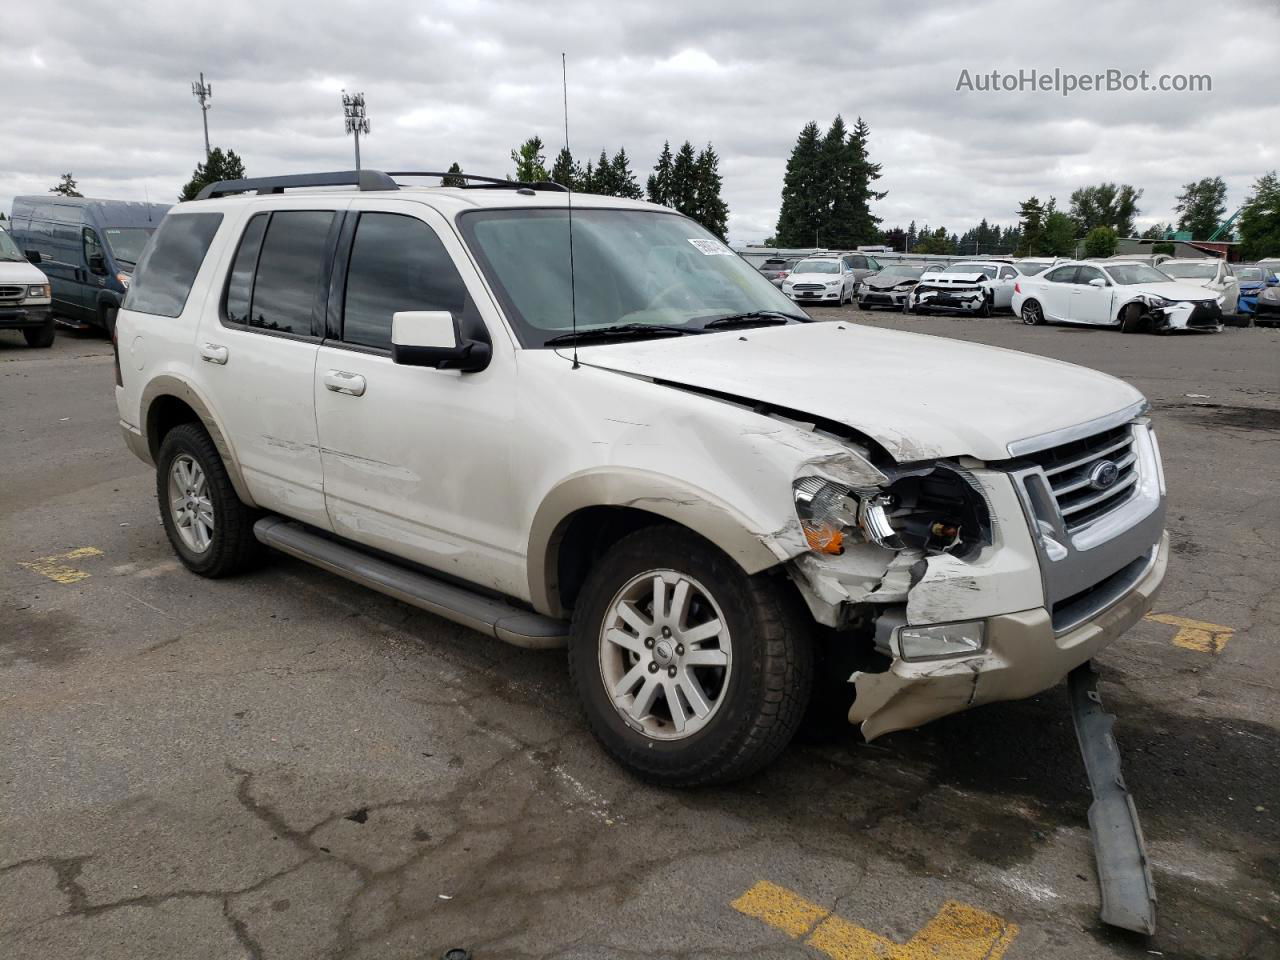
{"x": 1104, "y": 474}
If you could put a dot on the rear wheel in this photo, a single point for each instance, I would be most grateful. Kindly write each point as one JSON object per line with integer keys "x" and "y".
{"x": 1032, "y": 314}
{"x": 208, "y": 525}
{"x": 690, "y": 672}
{"x": 41, "y": 336}
{"x": 108, "y": 316}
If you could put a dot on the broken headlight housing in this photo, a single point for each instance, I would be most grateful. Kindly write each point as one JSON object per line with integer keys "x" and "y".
{"x": 937, "y": 511}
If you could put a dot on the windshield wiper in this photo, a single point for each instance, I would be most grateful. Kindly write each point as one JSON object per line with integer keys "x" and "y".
{"x": 619, "y": 330}
{"x": 773, "y": 317}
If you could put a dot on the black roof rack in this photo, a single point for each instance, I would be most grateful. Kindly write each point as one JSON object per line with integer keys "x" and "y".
{"x": 364, "y": 179}
{"x": 485, "y": 183}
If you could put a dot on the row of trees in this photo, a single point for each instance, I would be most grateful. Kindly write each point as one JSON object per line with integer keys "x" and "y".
{"x": 688, "y": 181}
{"x": 828, "y": 189}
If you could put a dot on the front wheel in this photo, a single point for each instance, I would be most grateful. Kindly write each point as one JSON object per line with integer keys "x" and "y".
{"x": 690, "y": 672}
{"x": 41, "y": 336}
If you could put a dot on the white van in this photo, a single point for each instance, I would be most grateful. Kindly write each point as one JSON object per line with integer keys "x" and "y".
{"x": 24, "y": 295}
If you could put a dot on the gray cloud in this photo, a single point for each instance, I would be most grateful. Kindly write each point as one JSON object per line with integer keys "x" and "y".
{"x": 106, "y": 95}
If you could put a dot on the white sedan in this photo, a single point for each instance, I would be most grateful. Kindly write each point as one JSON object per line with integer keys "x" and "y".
{"x": 1209, "y": 272}
{"x": 1131, "y": 296}
{"x": 821, "y": 279}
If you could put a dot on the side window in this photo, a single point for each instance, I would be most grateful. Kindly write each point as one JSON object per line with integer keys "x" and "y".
{"x": 1007, "y": 273}
{"x": 290, "y": 268}
{"x": 240, "y": 282}
{"x": 873, "y": 263}
{"x": 163, "y": 278}
{"x": 1061, "y": 275}
{"x": 93, "y": 256}
{"x": 397, "y": 263}
{"x": 858, "y": 263}
{"x": 1087, "y": 274}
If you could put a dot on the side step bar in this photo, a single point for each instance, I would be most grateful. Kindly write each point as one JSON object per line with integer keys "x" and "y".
{"x": 1124, "y": 870}
{"x": 491, "y": 616}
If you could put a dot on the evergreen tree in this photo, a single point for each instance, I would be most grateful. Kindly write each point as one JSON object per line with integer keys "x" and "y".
{"x": 912, "y": 235}
{"x": 711, "y": 210}
{"x": 448, "y": 181}
{"x": 529, "y": 159}
{"x": 798, "y": 219}
{"x": 564, "y": 171}
{"x": 1031, "y": 223}
{"x": 862, "y": 176}
{"x": 834, "y": 210}
{"x": 1059, "y": 236}
{"x": 66, "y": 187}
{"x": 606, "y": 183}
{"x": 587, "y": 183}
{"x": 1259, "y": 221}
{"x": 658, "y": 186}
{"x": 624, "y": 181}
{"x": 217, "y": 166}
{"x": 684, "y": 180}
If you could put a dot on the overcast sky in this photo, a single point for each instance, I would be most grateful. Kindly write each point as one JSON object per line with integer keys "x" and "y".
{"x": 105, "y": 92}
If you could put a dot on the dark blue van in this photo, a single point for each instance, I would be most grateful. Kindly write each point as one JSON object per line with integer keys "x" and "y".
{"x": 87, "y": 248}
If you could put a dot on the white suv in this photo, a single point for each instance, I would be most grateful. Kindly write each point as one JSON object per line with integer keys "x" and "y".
{"x": 648, "y": 454}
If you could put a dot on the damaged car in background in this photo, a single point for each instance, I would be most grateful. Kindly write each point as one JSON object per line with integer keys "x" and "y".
{"x": 1132, "y": 297}
{"x": 977, "y": 287}
{"x": 715, "y": 503}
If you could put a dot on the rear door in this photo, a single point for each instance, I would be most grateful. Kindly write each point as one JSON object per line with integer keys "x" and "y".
{"x": 258, "y": 349}
{"x": 1054, "y": 292}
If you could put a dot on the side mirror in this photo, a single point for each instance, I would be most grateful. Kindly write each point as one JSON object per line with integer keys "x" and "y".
{"x": 430, "y": 338}
{"x": 1097, "y": 282}
{"x": 33, "y": 256}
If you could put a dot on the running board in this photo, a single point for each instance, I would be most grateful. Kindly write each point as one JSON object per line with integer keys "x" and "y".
{"x": 1124, "y": 870}
{"x": 497, "y": 618}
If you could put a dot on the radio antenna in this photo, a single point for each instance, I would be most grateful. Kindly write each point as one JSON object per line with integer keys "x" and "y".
{"x": 573, "y": 294}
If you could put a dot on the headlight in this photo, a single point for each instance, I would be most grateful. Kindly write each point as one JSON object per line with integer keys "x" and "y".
{"x": 124, "y": 280}
{"x": 1153, "y": 301}
{"x": 941, "y": 640}
{"x": 938, "y": 511}
{"x": 833, "y": 283}
{"x": 38, "y": 290}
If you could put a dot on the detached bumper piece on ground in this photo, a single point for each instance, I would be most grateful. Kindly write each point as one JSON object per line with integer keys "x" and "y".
{"x": 1124, "y": 871}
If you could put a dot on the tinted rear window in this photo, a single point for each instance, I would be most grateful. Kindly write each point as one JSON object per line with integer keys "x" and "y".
{"x": 290, "y": 269}
{"x": 162, "y": 281}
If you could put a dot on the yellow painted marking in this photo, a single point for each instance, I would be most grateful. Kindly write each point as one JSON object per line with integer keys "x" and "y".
{"x": 1195, "y": 634}
{"x": 56, "y": 567}
{"x": 958, "y": 932}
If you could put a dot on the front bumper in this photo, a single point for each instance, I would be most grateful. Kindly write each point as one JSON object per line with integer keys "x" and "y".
{"x": 24, "y": 317}
{"x": 812, "y": 296}
{"x": 1203, "y": 315}
{"x": 882, "y": 298}
{"x": 1023, "y": 657}
{"x": 959, "y": 300}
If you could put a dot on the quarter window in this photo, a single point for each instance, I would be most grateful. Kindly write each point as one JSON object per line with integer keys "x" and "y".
{"x": 163, "y": 279}
{"x": 290, "y": 269}
{"x": 397, "y": 263}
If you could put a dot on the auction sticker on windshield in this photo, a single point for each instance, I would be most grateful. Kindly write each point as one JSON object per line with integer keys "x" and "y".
{"x": 710, "y": 248}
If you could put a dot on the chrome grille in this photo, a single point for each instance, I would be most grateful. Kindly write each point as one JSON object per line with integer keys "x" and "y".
{"x": 807, "y": 286}
{"x": 11, "y": 292}
{"x": 1073, "y": 469}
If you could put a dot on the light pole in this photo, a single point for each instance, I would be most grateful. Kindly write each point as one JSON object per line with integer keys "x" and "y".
{"x": 204, "y": 93}
{"x": 354, "y": 116}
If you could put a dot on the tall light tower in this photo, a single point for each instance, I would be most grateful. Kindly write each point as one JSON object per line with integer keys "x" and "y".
{"x": 204, "y": 93}
{"x": 356, "y": 120}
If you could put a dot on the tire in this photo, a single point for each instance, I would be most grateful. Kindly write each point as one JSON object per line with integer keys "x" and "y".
{"x": 1134, "y": 321}
{"x": 753, "y": 685}
{"x": 985, "y": 310}
{"x": 108, "y": 315}
{"x": 1032, "y": 315}
{"x": 41, "y": 336}
{"x": 229, "y": 546}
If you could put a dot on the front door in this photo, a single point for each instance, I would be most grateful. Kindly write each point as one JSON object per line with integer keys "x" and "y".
{"x": 1090, "y": 303}
{"x": 416, "y": 460}
{"x": 1002, "y": 287}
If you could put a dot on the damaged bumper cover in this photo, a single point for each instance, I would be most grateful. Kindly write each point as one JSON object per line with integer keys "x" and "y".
{"x": 1023, "y": 657}
{"x": 1201, "y": 315}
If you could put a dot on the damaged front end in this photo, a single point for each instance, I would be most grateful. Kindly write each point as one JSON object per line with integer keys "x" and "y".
{"x": 1165, "y": 316}
{"x": 958, "y": 293}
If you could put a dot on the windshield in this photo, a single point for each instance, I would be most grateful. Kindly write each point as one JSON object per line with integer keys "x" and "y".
{"x": 902, "y": 270}
{"x": 8, "y": 249}
{"x": 1125, "y": 274}
{"x": 630, "y": 267}
{"x": 1191, "y": 271}
{"x": 1249, "y": 274}
{"x": 126, "y": 243}
{"x": 817, "y": 266}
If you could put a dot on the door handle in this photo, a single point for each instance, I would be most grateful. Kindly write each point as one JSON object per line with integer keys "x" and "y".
{"x": 213, "y": 353}
{"x": 340, "y": 381}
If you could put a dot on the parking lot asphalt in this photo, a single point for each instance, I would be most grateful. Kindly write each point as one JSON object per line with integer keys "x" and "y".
{"x": 285, "y": 765}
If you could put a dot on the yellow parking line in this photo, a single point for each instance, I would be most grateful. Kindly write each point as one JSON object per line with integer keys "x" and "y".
{"x": 1195, "y": 634}
{"x": 56, "y": 567}
{"x": 958, "y": 932}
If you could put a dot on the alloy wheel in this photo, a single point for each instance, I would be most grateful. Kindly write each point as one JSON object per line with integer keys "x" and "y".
{"x": 189, "y": 503}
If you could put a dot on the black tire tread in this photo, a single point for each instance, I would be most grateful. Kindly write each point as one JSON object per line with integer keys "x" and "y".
{"x": 41, "y": 336}
{"x": 234, "y": 548}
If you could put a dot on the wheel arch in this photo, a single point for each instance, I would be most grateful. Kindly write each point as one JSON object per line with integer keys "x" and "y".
{"x": 169, "y": 401}
{"x": 587, "y": 513}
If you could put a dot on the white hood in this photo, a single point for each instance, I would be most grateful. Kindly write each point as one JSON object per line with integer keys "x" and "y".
{"x": 921, "y": 397}
{"x": 1172, "y": 290}
{"x": 813, "y": 277}
{"x": 20, "y": 271}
